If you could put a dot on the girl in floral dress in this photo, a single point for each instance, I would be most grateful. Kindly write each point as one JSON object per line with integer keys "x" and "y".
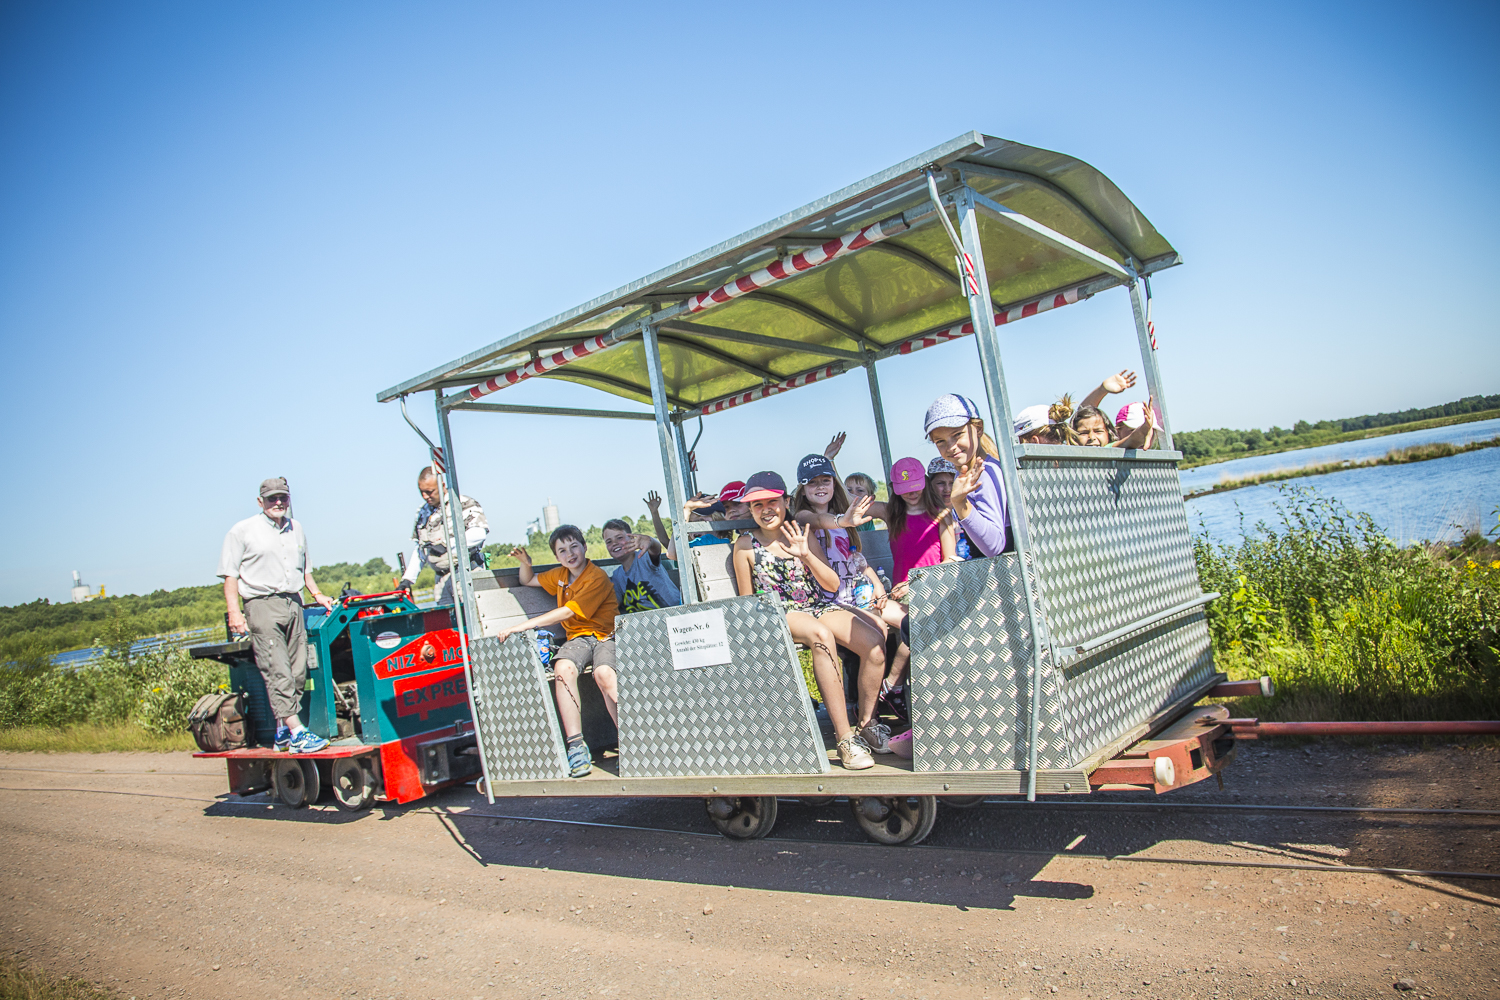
{"x": 781, "y": 557}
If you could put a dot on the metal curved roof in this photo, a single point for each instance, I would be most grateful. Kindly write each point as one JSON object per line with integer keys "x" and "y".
{"x": 866, "y": 302}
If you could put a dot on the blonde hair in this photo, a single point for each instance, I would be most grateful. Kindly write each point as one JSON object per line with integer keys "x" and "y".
{"x": 1058, "y": 415}
{"x": 986, "y": 443}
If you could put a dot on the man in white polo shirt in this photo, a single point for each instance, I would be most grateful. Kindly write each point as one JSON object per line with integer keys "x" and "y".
{"x": 264, "y": 562}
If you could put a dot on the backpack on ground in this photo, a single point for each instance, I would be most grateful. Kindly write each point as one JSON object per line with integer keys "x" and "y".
{"x": 218, "y": 721}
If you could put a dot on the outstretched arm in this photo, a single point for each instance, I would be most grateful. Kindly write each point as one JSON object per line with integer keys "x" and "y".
{"x": 528, "y": 575}
{"x": 803, "y": 544}
{"x": 1113, "y": 384}
{"x": 540, "y": 621}
{"x": 864, "y": 510}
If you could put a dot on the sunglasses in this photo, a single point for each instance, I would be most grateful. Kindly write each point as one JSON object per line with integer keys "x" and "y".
{"x": 279, "y": 500}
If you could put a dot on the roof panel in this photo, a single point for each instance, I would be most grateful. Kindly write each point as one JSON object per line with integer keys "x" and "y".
{"x": 882, "y": 294}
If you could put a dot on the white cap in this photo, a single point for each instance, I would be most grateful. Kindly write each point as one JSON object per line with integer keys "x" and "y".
{"x": 1032, "y": 418}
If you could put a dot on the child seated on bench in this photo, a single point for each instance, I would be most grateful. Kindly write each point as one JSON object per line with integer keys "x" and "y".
{"x": 641, "y": 582}
{"x": 781, "y": 557}
{"x": 586, "y": 609}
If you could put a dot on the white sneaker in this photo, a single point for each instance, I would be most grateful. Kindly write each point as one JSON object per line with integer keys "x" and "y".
{"x": 852, "y": 753}
{"x": 877, "y": 736}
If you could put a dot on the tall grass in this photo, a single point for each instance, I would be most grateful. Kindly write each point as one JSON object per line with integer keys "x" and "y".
{"x": 1350, "y": 625}
{"x": 152, "y": 691}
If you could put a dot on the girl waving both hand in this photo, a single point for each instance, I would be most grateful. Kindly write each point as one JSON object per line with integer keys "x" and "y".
{"x": 779, "y": 556}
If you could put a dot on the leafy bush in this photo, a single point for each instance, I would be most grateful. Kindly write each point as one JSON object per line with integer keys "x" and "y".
{"x": 1351, "y": 626}
{"x": 154, "y": 691}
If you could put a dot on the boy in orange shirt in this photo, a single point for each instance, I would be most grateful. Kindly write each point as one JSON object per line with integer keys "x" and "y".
{"x": 586, "y": 607}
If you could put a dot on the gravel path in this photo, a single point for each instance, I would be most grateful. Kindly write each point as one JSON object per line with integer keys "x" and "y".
{"x": 167, "y": 887}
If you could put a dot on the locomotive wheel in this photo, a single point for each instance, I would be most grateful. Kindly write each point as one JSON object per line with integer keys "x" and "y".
{"x": 353, "y": 785}
{"x": 295, "y": 782}
{"x": 745, "y": 818}
{"x": 961, "y": 801}
{"x": 901, "y": 821}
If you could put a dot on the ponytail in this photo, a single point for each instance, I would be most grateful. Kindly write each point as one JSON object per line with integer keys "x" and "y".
{"x": 1058, "y": 415}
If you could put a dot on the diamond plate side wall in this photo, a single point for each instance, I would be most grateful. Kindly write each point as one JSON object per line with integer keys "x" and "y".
{"x": 1107, "y": 693}
{"x": 1111, "y": 545}
{"x": 970, "y": 653}
{"x": 751, "y": 716}
{"x": 513, "y": 711}
{"x": 1110, "y": 540}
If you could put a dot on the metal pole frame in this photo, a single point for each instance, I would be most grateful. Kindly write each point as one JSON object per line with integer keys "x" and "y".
{"x": 1148, "y": 357}
{"x": 689, "y": 475}
{"x": 462, "y": 583}
{"x": 670, "y": 464}
{"x": 980, "y": 310}
{"x": 880, "y": 434}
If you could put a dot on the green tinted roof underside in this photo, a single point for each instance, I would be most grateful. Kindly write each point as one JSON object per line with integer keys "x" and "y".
{"x": 870, "y": 299}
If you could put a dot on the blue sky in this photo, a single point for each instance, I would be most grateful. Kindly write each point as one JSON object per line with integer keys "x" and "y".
{"x": 224, "y": 227}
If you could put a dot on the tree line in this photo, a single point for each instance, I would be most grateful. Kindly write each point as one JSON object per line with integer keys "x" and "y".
{"x": 1224, "y": 441}
{"x": 33, "y": 632}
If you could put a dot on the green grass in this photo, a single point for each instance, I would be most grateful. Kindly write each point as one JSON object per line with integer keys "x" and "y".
{"x": 1317, "y": 440}
{"x": 1349, "y": 625}
{"x": 93, "y": 737}
{"x": 27, "y": 982}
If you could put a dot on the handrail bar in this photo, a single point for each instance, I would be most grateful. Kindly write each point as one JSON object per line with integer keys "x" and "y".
{"x": 1111, "y": 636}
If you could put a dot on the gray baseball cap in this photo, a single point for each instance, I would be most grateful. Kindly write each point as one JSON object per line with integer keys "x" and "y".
{"x": 271, "y": 487}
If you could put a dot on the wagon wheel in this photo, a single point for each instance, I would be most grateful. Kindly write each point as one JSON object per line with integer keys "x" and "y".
{"x": 901, "y": 821}
{"x": 353, "y": 785}
{"x": 745, "y": 818}
{"x": 295, "y": 782}
{"x": 961, "y": 801}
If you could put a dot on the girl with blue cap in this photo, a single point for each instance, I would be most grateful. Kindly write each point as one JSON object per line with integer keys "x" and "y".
{"x": 954, "y": 426}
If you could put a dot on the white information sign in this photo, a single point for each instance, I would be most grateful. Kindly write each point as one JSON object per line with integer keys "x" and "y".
{"x": 699, "y": 639}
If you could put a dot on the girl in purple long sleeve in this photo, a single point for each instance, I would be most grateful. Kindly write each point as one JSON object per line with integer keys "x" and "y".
{"x": 954, "y": 425}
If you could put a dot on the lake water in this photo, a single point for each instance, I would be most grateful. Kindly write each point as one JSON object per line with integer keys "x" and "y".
{"x": 1423, "y": 501}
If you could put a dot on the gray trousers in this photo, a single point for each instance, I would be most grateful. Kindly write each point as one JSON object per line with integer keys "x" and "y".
{"x": 280, "y": 644}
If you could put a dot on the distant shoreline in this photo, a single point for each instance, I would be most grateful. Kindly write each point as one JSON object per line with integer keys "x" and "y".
{"x": 1396, "y": 456}
{"x": 1364, "y": 435}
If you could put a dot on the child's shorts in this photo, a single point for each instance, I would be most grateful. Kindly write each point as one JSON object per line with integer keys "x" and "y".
{"x": 584, "y": 650}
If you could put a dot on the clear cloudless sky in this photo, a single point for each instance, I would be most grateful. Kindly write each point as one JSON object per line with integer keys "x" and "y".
{"x": 224, "y": 227}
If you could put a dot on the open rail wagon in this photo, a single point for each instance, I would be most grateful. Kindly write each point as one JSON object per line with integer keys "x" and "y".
{"x": 1067, "y": 665}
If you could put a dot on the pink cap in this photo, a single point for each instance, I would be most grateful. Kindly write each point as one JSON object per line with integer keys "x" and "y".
{"x": 1134, "y": 415}
{"x": 908, "y": 475}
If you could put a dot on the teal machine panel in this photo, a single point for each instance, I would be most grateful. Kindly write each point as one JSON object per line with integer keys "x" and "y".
{"x": 410, "y": 672}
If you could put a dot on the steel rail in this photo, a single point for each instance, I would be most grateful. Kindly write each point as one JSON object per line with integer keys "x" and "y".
{"x": 1201, "y": 862}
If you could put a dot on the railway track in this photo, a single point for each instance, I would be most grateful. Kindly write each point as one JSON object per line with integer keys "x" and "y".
{"x": 447, "y": 815}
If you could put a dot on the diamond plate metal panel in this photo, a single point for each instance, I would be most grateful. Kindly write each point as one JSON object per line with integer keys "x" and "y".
{"x": 751, "y": 716}
{"x": 1109, "y": 692}
{"x": 513, "y": 711}
{"x": 971, "y": 649}
{"x": 1110, "y": 540}
{"x": 1111, "y": 545}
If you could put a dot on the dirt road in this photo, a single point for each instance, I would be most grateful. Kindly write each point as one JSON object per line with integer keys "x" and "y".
{"x": 155, "y": 883}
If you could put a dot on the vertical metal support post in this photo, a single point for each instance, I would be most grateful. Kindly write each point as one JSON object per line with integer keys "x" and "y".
{"x": 981, "y": 313}
{"x": 669, "y": 464}
{"x": 880, "y": 435}
{"x": 458, "y": 549}
{"x": 689, "y": 477}
{"x": 1148, "y": 362}
{"x": 464, "y": 607}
